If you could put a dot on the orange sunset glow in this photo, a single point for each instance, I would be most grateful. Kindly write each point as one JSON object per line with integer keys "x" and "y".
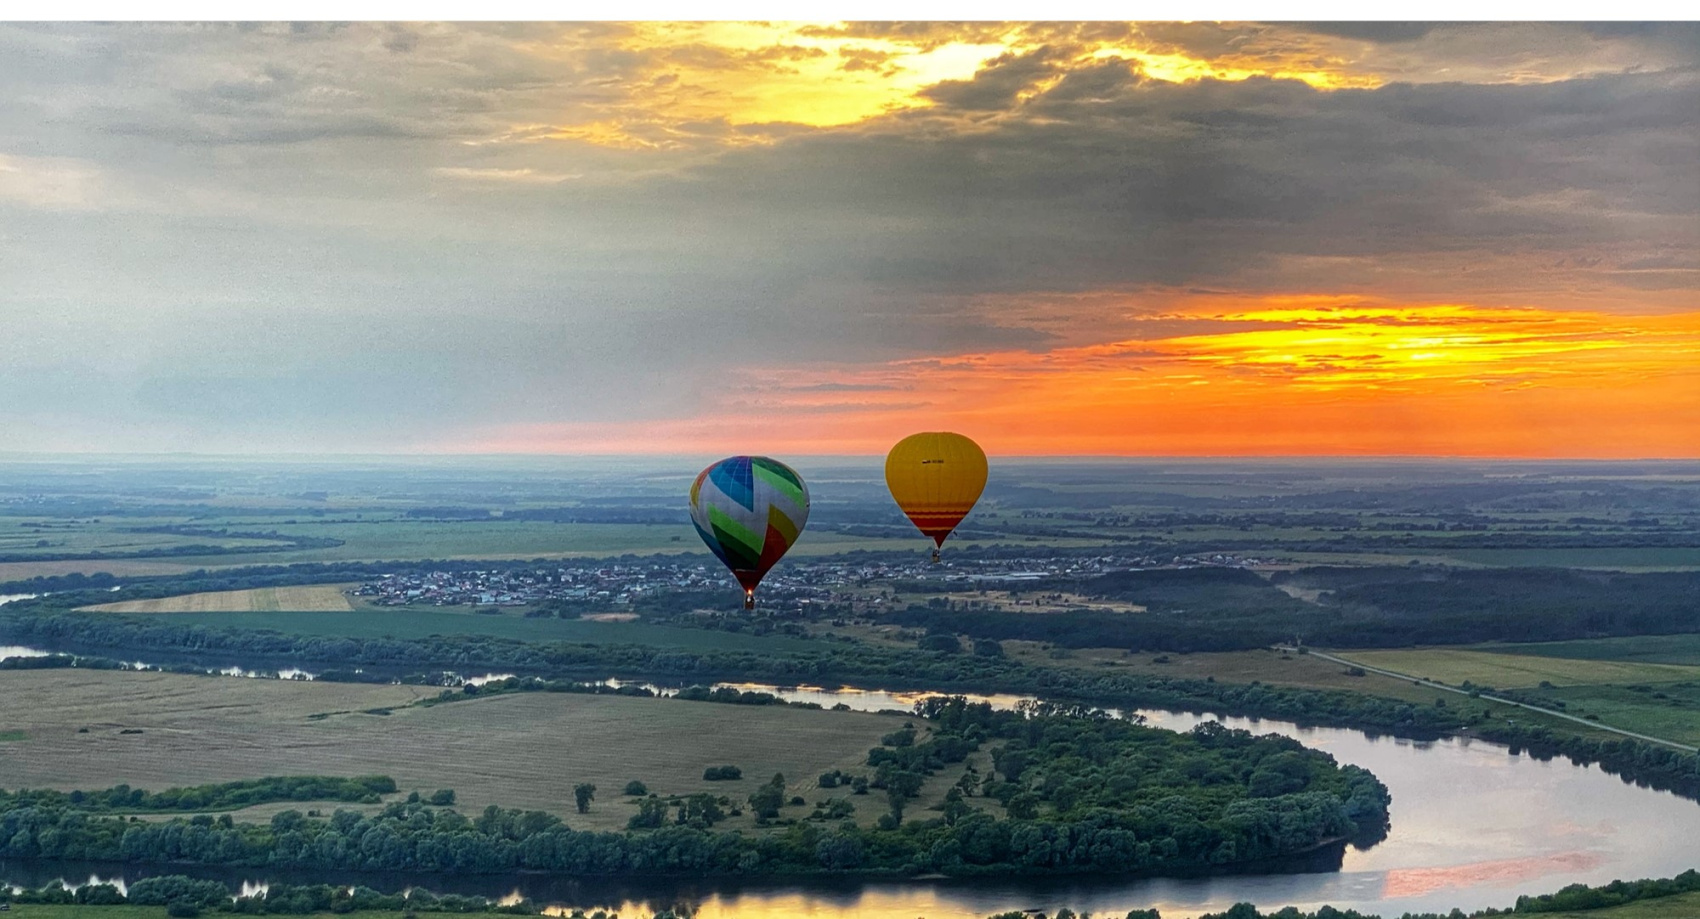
{"x": 1284, "y": 375}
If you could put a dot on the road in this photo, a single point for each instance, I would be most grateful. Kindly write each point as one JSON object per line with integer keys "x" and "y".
{"x": 1503, "y": 701}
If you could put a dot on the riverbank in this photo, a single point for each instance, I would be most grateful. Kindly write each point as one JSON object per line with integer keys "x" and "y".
{"x": 1472, "y": 825}
{"x": 175, "y": 897}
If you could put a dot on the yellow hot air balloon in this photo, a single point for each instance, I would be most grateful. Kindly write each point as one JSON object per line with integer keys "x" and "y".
{"x": 936, "y": 477}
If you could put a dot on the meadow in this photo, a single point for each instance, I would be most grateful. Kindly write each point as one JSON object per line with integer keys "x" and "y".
{"x": 308, "y": 598}
{"x": 1653, "y": 698}
{"x": 1453, "y": 666}
{"x": 523, "y": 750}
{"x": 156, "y": 518}
{"x": 1680, "y": 558}
{"x": 1682, "y": 906}
{"x": 1653, "y": 649}
{"x": 420, "y": 622}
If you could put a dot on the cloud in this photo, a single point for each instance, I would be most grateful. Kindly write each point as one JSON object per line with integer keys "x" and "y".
{"x": 51, "y": 183}
{"x": 523, "y": 175}
{"x": 420, "y": 230}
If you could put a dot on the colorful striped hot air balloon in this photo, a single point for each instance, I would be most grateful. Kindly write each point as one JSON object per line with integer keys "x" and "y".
{"x": 936, "y": 477}
{"x": 749, "y": 509}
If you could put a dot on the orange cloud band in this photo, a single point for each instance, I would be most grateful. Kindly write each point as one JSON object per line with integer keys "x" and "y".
{"x": 1278, "y": 376}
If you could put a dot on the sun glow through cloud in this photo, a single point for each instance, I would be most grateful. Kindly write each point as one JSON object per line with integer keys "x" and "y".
{"x": 748, "y": 75}
{"x": 1289, "y": 375}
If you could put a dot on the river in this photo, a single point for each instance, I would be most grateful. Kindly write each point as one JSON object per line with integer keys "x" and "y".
{"x": 1472, "y": 826}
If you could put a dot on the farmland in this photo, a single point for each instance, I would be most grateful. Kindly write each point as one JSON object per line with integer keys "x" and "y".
{"x": 311, "y": 598}
{"x": 524, "y": 750}
{"x": 1657, "y": 699}
{"x": 153, "y": 517}
{"x": 1518, "y": 671}
{"x": 1652, "y": 649}
{"x": 409, "y": 622}
{"x": 1682, "y": 906}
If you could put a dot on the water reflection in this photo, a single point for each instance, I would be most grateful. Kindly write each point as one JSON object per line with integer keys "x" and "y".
{"x": 1472, "y": 826}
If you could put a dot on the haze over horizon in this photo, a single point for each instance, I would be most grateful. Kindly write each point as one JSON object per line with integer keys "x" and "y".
{"x": 1235, "y": 240}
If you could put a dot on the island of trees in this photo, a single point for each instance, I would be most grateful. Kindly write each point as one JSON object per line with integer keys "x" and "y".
{"x": 1081, "y": 793}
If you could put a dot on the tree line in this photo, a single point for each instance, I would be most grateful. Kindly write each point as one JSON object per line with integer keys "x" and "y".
{"x": 365, "y": 789}
{"x": 848, "y": 663}
{"x": 1083, "y": 794}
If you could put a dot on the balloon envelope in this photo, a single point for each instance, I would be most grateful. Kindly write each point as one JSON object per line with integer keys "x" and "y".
{"x": 749, "y": 510}
{"x": 936, "y": 478}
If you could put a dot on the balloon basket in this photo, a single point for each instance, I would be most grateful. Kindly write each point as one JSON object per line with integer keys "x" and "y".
{"x": 749, "y": 599}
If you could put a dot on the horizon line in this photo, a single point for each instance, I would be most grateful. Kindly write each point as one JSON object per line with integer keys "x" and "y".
{"x": 35, "y": 455}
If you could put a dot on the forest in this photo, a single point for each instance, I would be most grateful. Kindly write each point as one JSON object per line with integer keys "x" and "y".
{"x": 1084, "y": 794}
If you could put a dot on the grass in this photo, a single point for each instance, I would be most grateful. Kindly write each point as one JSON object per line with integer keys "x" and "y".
{"x": 518, "y": 750}
{"x": 1681, "y": 906}
{"x": 406, "y": 622}
{"x": 1675, "y": 716}
{"x": 1518, "y": 671}
{"x": 388, "y": 536}
{"x": 313, "y": 598}
{"x": 1656, "y": 699}
{"x": 1617, "y": 559}
{"x": 23, "y": 571}
{"x": 11, "y": 736}
{"x": 1652, "y": 649}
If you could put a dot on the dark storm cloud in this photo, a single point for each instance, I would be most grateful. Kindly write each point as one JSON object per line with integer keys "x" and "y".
{"x": 1388, "y": 32}
{"x": 998, "y": 84}
{"x": 1109, "y": 180}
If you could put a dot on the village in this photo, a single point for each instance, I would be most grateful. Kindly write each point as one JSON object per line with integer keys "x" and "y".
{"x": 805, "y": 582}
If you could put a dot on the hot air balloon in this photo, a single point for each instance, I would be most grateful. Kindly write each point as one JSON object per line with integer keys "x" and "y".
{"x": 749, "y": 509}
{"x": 936, "y": 477}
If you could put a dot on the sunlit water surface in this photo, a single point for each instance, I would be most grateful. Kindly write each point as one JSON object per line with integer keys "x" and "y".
{"x": 1472, "y": 826}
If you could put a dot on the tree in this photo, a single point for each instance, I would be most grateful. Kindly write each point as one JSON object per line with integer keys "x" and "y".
{"x": 652, "y": 812}
{"x": 766, "y": 801}
{"x": 583, "y": 794}
{"x": 636, "y": 788}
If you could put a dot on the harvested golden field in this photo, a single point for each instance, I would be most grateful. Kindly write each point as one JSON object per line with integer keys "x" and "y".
{"x": 313, "y": 598}
{"x": 518, "y": 750}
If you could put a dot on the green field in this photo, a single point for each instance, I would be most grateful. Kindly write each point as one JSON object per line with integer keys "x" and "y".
{"x": 413, "y": 622}
{"x": 1517, "y": 671}
{"x": 1668, "y": 710}
{"x": 1682, "y": 906}
{"x": 1651, "y": 649}
{"x": 1616, "y": 559}
{"x": 1653, "y": 698}
{"x": 387, "y": 537}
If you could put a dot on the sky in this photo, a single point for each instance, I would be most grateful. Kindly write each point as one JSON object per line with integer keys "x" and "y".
{"x": 1233, "y": 239}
